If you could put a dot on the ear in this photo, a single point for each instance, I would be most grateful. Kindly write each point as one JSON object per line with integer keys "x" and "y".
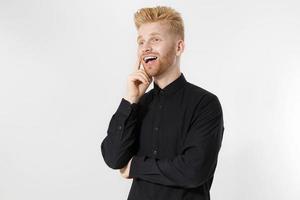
{"x": 180, "y": 47}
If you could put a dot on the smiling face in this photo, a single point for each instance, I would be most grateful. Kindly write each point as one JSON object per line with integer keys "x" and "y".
{"x": 156, "y": 40}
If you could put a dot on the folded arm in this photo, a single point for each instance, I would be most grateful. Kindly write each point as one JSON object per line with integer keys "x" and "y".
{"x": 119, "y": 145}
{"x": 198, "y": 158}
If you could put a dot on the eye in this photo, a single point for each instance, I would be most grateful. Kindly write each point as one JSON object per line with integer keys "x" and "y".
{"x": 155, "y": 39}
{"x": 140, "y": 43}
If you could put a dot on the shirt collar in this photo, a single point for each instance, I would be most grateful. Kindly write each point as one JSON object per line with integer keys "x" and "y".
{"x": 171, "y": 87}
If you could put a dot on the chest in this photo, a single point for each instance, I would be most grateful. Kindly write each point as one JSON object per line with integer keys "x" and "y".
{"x": 164, "y": 127}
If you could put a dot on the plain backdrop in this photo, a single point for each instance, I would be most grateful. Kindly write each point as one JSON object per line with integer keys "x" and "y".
{"x": 63, "y": 71}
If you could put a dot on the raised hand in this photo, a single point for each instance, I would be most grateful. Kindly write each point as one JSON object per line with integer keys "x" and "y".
{"x": 137, "y": 83}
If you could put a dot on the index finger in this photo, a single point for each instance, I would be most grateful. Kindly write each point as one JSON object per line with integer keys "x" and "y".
{"x": 138, "y": 63}
{"x": 143, "y": 68}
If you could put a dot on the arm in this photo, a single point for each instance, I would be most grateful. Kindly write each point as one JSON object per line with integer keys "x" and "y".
{"x": 119, "y": 145}
{"x": 198, "y": 158}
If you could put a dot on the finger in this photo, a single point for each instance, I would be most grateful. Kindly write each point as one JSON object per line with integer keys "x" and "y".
{"x": 143, "y": 76}
{"x": 140, "y": 78}
{"x": 143, "y": 73}
{"x": 143, "y": 69}
{"x": 142, "y": 66}
{"x": 138, "y": 63}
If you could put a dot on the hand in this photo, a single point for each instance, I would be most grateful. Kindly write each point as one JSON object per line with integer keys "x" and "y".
{"x": 125, "y": 170}
{"x": 137, "y": 83}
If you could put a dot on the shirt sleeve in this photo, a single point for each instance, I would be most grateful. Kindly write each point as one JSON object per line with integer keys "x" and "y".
{"x": 119, "y": 145}
{"x": 198, "y": 158}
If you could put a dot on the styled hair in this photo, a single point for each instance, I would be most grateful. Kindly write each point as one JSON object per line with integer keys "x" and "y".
{"x": 160, "y": 14}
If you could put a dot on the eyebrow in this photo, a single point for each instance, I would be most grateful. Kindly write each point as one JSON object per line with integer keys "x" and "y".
{"x": 154, "y": 33}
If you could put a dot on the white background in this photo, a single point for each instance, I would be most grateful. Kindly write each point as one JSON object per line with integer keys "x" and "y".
{"x": 63, "y": 71}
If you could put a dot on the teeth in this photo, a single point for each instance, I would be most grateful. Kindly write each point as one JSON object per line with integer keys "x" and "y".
{"x": 149, "y": 57}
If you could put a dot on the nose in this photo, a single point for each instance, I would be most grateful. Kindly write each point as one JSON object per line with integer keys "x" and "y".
{"x": 147, "y": 48}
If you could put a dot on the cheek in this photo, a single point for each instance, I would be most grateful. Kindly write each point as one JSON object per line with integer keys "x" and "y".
{"x": 168, "y": 47}
{"x": 139, "y": 52}
{"x": 170, "y": 53}
{"x": 163, "y": 51}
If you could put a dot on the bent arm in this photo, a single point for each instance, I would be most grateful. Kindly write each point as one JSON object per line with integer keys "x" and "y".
{"x": 119, "y": 145}
{"x": 198, "y": 158}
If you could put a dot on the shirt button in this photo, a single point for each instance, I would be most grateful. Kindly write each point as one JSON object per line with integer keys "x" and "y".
{"x": 156, "y": 128}
{"x": 160, "y": 106}
{"x": 161, "y": 93}
{"x": 155, "y": 152}
{"x": 119, "y": 127}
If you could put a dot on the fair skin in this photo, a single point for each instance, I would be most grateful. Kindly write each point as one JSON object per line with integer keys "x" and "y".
{"x": 154, "y": 39}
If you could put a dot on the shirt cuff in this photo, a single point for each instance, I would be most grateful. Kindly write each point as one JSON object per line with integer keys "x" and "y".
{"x": 140, "y": 165}
{"x": 125, "y": 107}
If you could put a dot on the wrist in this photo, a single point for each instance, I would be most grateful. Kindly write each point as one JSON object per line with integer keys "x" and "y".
{"x": 131, "y": 99}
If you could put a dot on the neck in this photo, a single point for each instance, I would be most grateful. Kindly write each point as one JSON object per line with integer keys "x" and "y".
{"x": 167, "y": 77}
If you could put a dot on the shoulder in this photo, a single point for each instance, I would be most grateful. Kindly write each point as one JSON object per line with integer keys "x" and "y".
{"x": 199, "y": 94}
{"x": 205, "y": 105}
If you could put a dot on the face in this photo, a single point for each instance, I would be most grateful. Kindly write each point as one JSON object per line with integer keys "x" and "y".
{"x": 155, "y": 39}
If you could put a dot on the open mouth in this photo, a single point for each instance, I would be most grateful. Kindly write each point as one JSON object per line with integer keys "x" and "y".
{"x": 149, "y": 58}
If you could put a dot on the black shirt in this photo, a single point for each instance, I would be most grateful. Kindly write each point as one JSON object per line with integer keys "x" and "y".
{"x": 174, "y": 135}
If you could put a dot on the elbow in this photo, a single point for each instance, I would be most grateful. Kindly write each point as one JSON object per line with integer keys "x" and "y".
{"x": 193, "y": 182}
{"x": 196, "y": 178}
{"x": 110, "y": 160}
{"x": 114, "y": 160}
{"x": 113, "y": 164}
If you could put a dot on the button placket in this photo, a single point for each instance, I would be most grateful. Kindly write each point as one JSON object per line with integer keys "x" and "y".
{"x": 155, "y": 136}
{"x": 157, "y": 122}
{"x": 161, "y": 93}
{"x": 161, "y": 99}
{"x": 155, "y": 152}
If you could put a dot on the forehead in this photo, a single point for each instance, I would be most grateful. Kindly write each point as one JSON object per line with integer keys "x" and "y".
{"x": 154, "y": 28}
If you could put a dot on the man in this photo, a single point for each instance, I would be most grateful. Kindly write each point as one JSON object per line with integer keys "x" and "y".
{"x": 167, "y": 140}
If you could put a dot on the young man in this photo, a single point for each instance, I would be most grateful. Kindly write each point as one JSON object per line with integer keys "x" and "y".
{"x": 167, "y": 140}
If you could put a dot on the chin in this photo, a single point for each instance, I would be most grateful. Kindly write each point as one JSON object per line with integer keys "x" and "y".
{"x": 155, "y": 70}
{"x": 151, "y": 73}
